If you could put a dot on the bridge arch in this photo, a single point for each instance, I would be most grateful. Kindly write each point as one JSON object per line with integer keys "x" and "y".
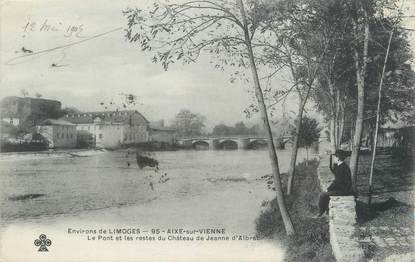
{"x": 200, "y": 145}
{"x": 228, "y": 144}
{"x": 257, "y": 144}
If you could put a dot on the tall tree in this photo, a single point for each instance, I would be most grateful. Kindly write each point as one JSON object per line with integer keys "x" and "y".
{"x": 240, "y": 129}
{"x": 360, "y": 19}
{"x": 264, "y": 115}
{"x": 226, "y": 31}
{"x": 222, "y": 130}
{"x": 302, "y": 36}
{"x": 188, "y": 124}
{"x": 348, "y": 82}
{"x": 335, "y": 78}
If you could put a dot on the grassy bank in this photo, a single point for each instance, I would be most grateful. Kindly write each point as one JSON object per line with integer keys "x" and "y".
{"x": 311, "y": 242}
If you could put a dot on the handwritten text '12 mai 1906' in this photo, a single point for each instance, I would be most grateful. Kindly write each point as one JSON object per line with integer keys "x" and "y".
{"x": 45, "y": 26}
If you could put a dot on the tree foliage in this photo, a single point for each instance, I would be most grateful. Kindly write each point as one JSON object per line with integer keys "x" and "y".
{"x": 310, "y": 132}
{"x": 335, "y": 95}
{"x": 238, "y": 129}
{"x": 188, "y": 124}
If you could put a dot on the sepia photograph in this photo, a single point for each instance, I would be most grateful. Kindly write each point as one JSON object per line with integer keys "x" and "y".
{"x": 207, "y": 130}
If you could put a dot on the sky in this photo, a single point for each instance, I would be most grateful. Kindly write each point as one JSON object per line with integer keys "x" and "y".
{"x": 100, "y": 69}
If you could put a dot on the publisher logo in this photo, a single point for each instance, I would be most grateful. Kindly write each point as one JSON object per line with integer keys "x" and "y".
{"x": 43, "y": 242}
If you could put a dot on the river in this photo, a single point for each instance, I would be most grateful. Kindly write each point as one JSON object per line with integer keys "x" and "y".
{"x": 72, "y": 185}
{"x": 191, "y": 189}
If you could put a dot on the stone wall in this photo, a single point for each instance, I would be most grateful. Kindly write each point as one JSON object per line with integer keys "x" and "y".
{"x": 342, "y": 219}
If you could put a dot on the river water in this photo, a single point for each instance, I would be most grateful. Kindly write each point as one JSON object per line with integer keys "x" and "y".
{"x": 39, "y": 186}
{"x": 55, "y": 194}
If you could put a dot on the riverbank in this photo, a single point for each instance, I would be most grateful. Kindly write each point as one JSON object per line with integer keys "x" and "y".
{"x": 311, "y": 242}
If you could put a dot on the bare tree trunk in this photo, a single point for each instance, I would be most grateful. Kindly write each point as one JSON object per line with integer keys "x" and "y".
{"x": 338, "y": 116}
{"x": 333, "y": 134}
{"x": 291, "y": 172}
{"x": 341, "y": 124}
{"x": 294, "y": 149}
{"x": 333, "y": 118}
{"x": 377, "y": 120}
{"x": 289, "y": 228}
{"x": 360, "y": 76}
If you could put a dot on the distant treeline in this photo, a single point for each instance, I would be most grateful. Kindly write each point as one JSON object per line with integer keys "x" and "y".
{"x": 238, "y": 129}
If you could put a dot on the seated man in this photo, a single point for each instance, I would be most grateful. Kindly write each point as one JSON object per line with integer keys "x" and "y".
{"x": 342, "y": 184}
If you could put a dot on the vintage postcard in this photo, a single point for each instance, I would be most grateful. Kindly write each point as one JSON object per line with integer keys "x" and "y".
{"x": 207, "y": 130}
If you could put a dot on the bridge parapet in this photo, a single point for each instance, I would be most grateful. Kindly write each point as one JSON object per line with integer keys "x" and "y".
{"x": 242, "y": 142}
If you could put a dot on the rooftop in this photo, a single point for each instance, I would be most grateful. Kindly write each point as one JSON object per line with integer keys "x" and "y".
{"x": 105, "y": 116}
{"x": 55, "y": 122}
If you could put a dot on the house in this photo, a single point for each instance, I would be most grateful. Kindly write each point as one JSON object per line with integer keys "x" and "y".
{"x": 397, "y": 134}
{"x": 111, "y": 129}
{"x": 58, "y": 133}
{"x": 159, "y": 133}
{"x": 390, "y": 135}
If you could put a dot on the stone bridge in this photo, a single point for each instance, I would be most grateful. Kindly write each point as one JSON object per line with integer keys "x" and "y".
{"x": 234, "y": 142}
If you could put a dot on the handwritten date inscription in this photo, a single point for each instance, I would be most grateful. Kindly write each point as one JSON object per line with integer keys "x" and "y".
{"x": 68, "y": 30}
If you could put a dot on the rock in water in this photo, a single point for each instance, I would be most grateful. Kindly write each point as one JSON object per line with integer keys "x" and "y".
{"x": 143, "y": 161}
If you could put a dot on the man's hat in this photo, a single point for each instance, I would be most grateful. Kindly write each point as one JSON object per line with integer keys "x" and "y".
{"x": 341, "y": 154}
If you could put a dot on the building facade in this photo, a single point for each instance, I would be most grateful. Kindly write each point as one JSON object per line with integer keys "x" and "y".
{"x": 111, "y": 129}
{"x": 159, "y": 133}
{"x": 58, "y": 133}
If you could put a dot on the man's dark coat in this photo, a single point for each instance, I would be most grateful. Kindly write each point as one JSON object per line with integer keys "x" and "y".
{"x": 342, "y": 184}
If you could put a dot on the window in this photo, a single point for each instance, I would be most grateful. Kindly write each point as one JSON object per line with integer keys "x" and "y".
{"x": 71, "y": 136}
{"x": 57, "y": 135}
{"x": 100, "y": 136}
{"x": 100, "y": 127}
